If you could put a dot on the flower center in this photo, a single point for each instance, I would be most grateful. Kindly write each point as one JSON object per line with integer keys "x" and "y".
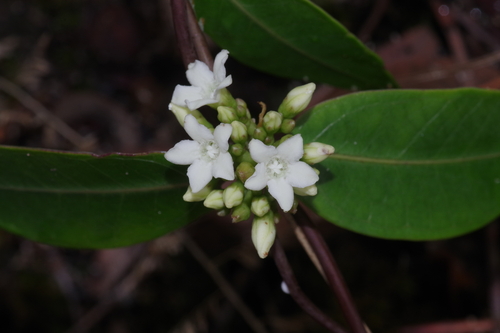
{"x": 276, "y": 167}
{"x": 209, "y": 151}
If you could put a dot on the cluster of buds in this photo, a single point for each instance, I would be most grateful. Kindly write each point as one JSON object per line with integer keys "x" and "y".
{"x": 262, "y": 163}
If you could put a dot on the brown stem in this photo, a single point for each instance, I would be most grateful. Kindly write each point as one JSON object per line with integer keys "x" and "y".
{"x": 331, "y": 270}
{"x": 198, "y": 39}
{"x": 181, "y": 27}
{"x": 297, "y": 294}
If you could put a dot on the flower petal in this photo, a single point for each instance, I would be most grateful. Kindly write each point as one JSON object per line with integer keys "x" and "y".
{"x": 292, "y": 149}
{"x": 197, "y": 131}
{"x": 184, "y": 94}
{"x": 282, "y": 192}
{"x": 193, "y": 105}
{"x": 199, "y": 174}
{"x": 258, "y": 180}
{"x": 219, "y": 69}
{"x": 301, "y": 175}
{"x": 223, "y": 167}
{"x": 199, "y": 75}
{"x": 222, "y": 133}
{"x": 184, "y": 152}
{"x": 260, "y": 152}
{"x": 225, "y": 83}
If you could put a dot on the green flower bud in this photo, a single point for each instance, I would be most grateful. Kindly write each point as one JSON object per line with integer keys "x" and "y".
{"x": 259, "y": 134}
{"x": 240, "y": 213}
{"x": 223, "y": 212}
{"x": 316, "y": 152}
{"x": 263, "y": 234}
{"x": 272, "y": 121}
{"x": 260, "y": 206}
{"x": 251, "y": 126}
{"x": 226, "y": 114}
{"x": 246, "y": 157}
{"x": 244, "y": 170}
{"x": 214, "y": 200}
{"x": 190, "y": 196}
{"x": 239, "y": 133}
{"x": 310, "y": 191}
{"x": 241, "y": 108}
{"x": 233, "y": 194}
{"x": 269, "y": 140}
{"x": 236, "y": 149}
{"x": 287, "y": 125}
{"x": 297, "y": 100}
{"x": 180, "y": 112}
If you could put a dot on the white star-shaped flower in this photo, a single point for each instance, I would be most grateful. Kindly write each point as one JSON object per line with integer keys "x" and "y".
{"x": 205, "y": 84}
{"x": 207, "y": 154}
{"x": 280, "y": 169}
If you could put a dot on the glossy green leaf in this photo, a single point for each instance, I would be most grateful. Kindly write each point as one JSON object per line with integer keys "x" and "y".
{"x": 409, "y": 164}
{"x": 293, "y": 39}
{"x": 83, "y": 200}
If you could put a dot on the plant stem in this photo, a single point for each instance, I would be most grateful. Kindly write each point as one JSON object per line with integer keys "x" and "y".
{"x": 331, "y": 270}
{"x": 297, "y": 294}
{"x": 181, "y": 27}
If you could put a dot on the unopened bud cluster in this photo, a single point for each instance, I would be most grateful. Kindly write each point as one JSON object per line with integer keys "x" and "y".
{"x": 264, "y": 165}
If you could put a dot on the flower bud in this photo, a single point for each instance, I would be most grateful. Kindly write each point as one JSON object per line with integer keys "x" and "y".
{"x": 259, "y": 134}
{"x": 297, "y": 100}
{"x": 310, "y": 191}
{"x": 226, "y": 114}
{"x": 233, "y": 194}
{"x": 272, "y": 121}
{"x": 180, "y": 112}
{"x": 287, "y": 125}
{"x": 239, "y": 133}
{"x": 263, "y": 234}
{"x": 246, "y": 157}
{"x": 251, "y": 126}
{"x": 260, "y": 206}
{"x": 202, "y": 120}
{"x": 244, "y": 171}
{"x": 236, "y": 149}
{"x": 240, "y": 213}
{"x": 241, "y": 108}
{"x": 214, "y": 200}
{"x": 269, "y": 140}
{"x": 190, "y": 196}
{"x": 316, "y": 152}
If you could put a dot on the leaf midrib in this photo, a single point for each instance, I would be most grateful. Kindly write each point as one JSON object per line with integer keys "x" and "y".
{"x": 376, "y": 160}
{"x": 291, "y": 46}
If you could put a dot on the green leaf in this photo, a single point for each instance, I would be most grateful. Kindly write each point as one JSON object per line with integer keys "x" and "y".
{"x": 84, "y": 200}
{"x": 409, "y": 164}
{"x": 294, "y": 39}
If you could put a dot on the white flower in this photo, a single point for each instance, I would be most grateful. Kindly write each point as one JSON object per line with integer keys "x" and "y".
{"x": 207, "y": 154}
{"x": 205, "y": 84}
{"x": 280, "y": 169}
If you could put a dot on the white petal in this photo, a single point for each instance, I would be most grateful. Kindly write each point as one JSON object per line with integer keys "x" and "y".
{"x": 300, "y": 174}
{"x": 199, "y": 75}
{"x": 282, "y": 192}
{"x": 222, "y": 133}
{"x": 199, "y": 174}
{"x": 223, "y": 167}
{"x": 219, "y": 69}
{"x": 193, "y": 105}
{"x": 260, "y": 152}
{"x": 197, "y": 131}
{"x": 258, "y": 180}
{"x": 225, "y": 83}
{"x": 184, "y": 152}
{"x": 184, "y": 94}
{"x": 292, "y": 149}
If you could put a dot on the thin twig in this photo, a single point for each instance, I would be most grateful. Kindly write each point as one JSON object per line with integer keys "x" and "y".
{"x": 45, "y": 115}
{"x": 377, "y": 12}
{"x": 332, "y": 272}
{"x": 302, "y": 300}
{"x": 198, "y": 38}
{"x": 224, "y": 286}
{"x": 181, "y": 27}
